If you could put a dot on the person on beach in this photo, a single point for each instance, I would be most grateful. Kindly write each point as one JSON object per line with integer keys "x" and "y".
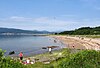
{"x": 50, "y": 49}
{"x": 28, "y": 61}
{"x": 21, "y": 56}
{"x": 73, "y": 46}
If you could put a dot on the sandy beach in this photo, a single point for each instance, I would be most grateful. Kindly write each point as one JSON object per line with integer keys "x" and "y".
{"x": 72, "y": 42}
{"x": 79, "y": 42}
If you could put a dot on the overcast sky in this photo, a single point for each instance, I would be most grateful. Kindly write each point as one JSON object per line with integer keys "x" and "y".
{"x": 51, "y": 15}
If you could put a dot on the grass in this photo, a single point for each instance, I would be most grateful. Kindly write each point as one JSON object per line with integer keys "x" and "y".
{"x": 64, "y": 58}
{"x": 87, "y": 36}
{"x": 50, "y": 57}
{"x": 79, "y": 59}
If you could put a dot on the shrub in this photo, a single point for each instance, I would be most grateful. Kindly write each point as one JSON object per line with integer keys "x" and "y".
{"x": 7, "y": 62}
{"x": 1, "y": 53}
{"x": 83, "y": 59}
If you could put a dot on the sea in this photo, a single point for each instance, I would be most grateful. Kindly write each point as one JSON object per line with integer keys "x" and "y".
{"x": 29, "y": 45}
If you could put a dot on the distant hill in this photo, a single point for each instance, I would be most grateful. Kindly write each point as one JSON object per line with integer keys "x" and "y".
{"x": 83, "y": 31}
{"x": 20, "y": 31}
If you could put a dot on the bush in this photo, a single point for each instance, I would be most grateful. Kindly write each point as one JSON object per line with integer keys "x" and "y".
{"x": 1, "y": 53}
{"x": 7, "y": 62}
{"x": 83, "y": 59}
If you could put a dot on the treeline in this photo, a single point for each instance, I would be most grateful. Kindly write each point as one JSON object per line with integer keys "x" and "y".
{"x": 83, "y": 31}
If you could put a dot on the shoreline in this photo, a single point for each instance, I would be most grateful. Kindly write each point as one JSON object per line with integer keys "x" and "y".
{"x": 74, "y": 42}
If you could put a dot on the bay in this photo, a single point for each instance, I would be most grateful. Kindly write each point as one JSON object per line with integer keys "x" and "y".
{"x": 29, "y": 45}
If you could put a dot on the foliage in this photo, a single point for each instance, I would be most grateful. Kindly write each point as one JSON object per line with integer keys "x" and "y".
{"x": 1, "y": 53}
{"x": 7, "y": 62}
{"x": 39, "y": 65}
{"x": 83, "y": 59}
{"x": 83, "y": 31}
{"x": 91, "y": 36}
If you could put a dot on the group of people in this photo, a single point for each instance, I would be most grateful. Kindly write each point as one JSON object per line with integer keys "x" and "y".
{"x": 28, "y": 61}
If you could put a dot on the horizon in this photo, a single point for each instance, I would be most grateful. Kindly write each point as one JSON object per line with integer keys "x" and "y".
{"x": 49, "y": 15}
{"x": 47, "y": 30}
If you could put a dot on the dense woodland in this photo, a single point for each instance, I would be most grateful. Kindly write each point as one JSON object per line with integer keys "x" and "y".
{"x": 84, "y": 31}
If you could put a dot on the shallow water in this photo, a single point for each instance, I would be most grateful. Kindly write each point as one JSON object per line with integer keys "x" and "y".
{"x": 29, "y": 45}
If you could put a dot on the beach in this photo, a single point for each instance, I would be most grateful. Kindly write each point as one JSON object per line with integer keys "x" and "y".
{"x": 74, "y": 42}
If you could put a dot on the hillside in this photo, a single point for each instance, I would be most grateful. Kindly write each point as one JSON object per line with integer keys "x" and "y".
{"x": 20, "y": 31}
{"x": 83, "y": 31}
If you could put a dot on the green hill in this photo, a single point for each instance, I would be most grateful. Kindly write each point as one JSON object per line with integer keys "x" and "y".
{"x": 83, "y": 31}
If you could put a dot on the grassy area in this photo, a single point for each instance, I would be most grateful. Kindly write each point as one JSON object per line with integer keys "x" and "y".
{"x": 50, "y": 57}
{"x": 92, "y": 36}
{"x": 70, "y": 59}
{"x": 87, "y": 36}
{"x": 64, "y": 58}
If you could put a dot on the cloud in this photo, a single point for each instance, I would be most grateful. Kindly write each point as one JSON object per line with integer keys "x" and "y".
{"x": 53, "y": 21}
{"x": 38, "y": 23}
{"x": 46, "y": 23}
{"x": 16, "y": 18}
{"x": 90, "y": 22}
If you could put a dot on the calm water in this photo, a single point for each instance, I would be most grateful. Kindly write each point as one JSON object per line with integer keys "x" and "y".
{"x": 29, "y": 45}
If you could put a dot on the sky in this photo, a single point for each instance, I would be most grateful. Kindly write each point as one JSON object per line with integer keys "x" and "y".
{"x": 50, "y": 15}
